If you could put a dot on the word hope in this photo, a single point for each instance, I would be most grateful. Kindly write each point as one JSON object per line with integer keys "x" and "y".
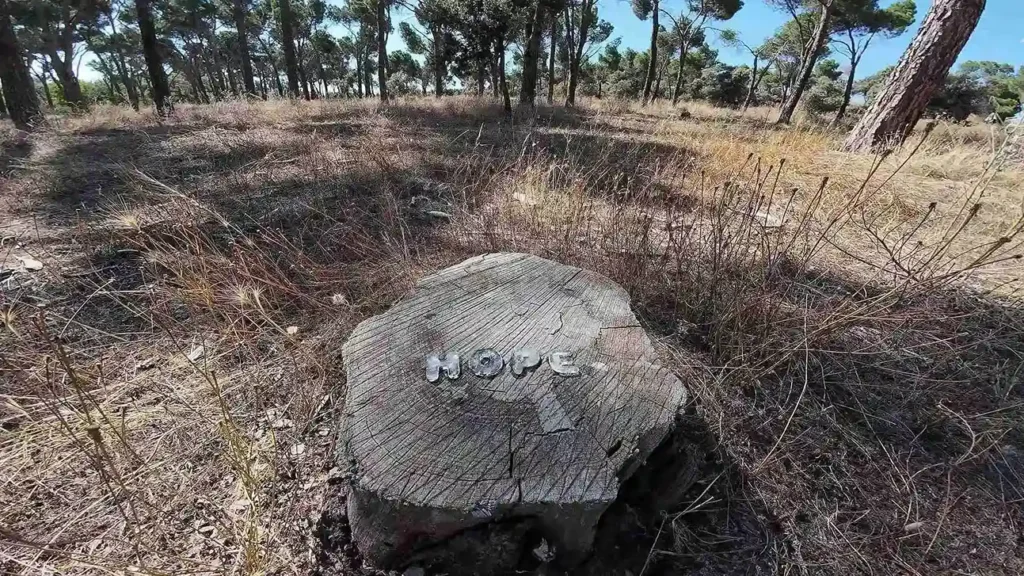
{"x": 488, "y": 363}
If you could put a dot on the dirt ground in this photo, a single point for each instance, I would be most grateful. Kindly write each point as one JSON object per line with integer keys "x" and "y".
{"x": 175, "y": 294}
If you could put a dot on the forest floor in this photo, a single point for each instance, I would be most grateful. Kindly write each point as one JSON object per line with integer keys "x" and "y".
{"x": 175, "y": 294}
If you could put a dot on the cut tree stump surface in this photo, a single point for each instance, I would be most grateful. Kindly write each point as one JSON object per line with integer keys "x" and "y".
{"x": 431, "y": 461}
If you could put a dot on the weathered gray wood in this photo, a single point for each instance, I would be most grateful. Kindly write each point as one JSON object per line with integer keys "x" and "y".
{"x": 434, "y": 460}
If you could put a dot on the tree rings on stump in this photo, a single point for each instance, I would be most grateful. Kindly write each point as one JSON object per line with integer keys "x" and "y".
{"x": 468, "y": 470}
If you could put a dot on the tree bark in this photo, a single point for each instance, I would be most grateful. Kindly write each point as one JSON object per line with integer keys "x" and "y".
{"x": 68, "y": 79}
{"x": 18, "y": 90}
{"x": 919, "y": 74}
{"x": 239, "y": 12}
{"x": 382, "y": 49}
{"x": 652, "y": 65}
{"x": 551, "y": 58}
{"x": 847, "y": 94}
{"x": 495, "y": 77}
{"x": 46, "y": 91}
{"x": 531, "y": 55}
{"x": 501, "y": 76}
{"x": 752, "y": 87}
{"x": 678, "y": 89}
{"x": 809, "y": 60}
{"x": 439, "y": 64}
{"x": 359, "y": 76}
{"x": 576, "y": 54}
{"x": 288, "y": 39}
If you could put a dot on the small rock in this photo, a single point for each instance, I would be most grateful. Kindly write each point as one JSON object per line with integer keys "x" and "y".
{"x": 768, "y": 220}
{"x": 146, "y": 364}
{"x": 524, "y": 199}
{"x": 913, "y": 527}
{"x": 414, "y": 571}
{"x": 292, "y": 330}
{"x": 197, "y": 353}
{"x": 30, "y": 263}
{"x": 298, "y": 450}
{"x": 206, "y": 529}
{"x": 339, "y": 300}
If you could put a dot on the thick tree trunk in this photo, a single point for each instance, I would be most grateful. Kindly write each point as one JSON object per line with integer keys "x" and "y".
{"x": 807, "y": 66}
{"x": 919, "y": 74}
{"x": 288, "y": 39}
{"x": 382, "y": 49}
{"x": 652, "y": 65}
{"x": 847, "y": 94}
{"x": 531, "y": 55}
{"x": 440, "y": 69}
{"x": 481, "y": 76}
{"x": 18, "y": 90}
{"x": 238, "y": 11}
{"x": 68, "y": 79}
{"x": 3, "y": 102}
{"x": 551, "y": 58}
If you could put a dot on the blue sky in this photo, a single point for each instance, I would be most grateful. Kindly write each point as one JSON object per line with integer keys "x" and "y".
{"x": 998, "y": 36}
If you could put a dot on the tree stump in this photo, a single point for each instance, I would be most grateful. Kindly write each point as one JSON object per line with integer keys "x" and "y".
{"x": 468, "y": 470}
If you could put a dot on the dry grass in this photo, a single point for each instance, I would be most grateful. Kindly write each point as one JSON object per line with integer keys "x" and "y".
{"x": 172, "y": 375}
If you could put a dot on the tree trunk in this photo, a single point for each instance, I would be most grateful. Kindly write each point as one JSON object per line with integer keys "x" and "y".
{"x": 367, "y": 75}
{"x": 501, "y": 77}
{"x": 232, "y": 82}
{"x": 678, "y": 89}
{"x": 304, "y": 82}
{"x": 382, "y": 49}
{"x": 651, "y": 67}
{"x": 551, "y": 58}
{"x": 576, "y": 57}
{"x": 807, "y": 66}
{"x": 531, "y": 55}
{"x": 481, "y": 75}
{"x": 752, "y": 87}
{"x": 656, "y": 92}
{"x": 68, "y": 79}
{"x": 495, "y": 81}
{"x": 214, "y": 86}
{"x": 847, "y": 94}
{"x": 18, "y": 90}
{"x": 359, "y": 76}
{"x": 919, "y": 74}
{"x": 238, "y": 11}
{"x": 439, "y": 64}
{"x": 46, "y": 91}
{"x": 3, "y": 103}
{"x": 288, "y": 39}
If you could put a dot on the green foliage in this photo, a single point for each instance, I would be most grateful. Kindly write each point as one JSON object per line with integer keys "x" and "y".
{"x": 825, "y": 94}
{"x": 981, "y": 88}
{"x": 722, "y": 85}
